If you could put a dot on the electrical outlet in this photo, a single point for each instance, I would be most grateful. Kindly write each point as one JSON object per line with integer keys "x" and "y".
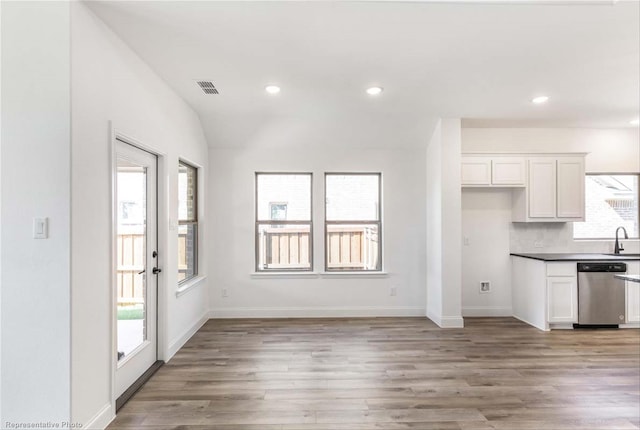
{"x": 485, "y": 287}
{"x": 538, "y": 244}
{"x": 225, "y": 293}
{"x": 393, "y": 290}
{"x": 466, "y": 241}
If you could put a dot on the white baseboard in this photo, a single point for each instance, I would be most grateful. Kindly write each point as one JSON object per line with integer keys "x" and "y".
{"x": 486, "y": 311}
{"x": 543, "y": 327}
{"x": 630, "y": 325}
{"x": 344, "y": 312}
{"x": 178, "y": 343}
{"x": 102, "y": 419}
{"x": 566, "y": 326}
{"x": 446, "y": 322}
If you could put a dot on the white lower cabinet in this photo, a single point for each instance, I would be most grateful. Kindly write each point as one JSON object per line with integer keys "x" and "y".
{"x": 545, "y": 294}
{"x": 633, "y": 302}
{"x": 562, "y": 299}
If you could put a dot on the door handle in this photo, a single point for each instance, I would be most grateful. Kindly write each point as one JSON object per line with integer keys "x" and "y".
{"x": 156, "y": 270}
{"x": 140, "y": 273}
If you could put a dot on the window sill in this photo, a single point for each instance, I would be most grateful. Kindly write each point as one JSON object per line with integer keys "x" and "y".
{"x": 613, "y": 239}
{"x": 258, "y": 275}
{"x": 345, "y": 274}
{"x": 189, "y": 285}
{"x": 355, "y": 274}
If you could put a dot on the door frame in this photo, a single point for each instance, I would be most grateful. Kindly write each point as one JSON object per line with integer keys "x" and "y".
{"x": 162, "y": 213}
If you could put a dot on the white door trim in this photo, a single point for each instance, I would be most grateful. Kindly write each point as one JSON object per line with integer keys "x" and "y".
{"x": 116, "y": 134}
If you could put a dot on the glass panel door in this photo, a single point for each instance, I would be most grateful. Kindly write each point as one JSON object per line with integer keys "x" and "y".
{"x": 136, "y": 276}
{"x": 131, "y": 256}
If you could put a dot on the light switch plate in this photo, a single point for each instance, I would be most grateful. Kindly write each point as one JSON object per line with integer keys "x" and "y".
{"x": 41, "y": 228}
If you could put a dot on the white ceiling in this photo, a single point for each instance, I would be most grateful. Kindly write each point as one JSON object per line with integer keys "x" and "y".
{"x": 481, "y": 62}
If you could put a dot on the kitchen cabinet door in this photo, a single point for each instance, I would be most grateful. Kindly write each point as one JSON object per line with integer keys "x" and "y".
{"x": 476, "y": 171}
{"x": 571, "y": 188}
{"x": 508, "y": 171}
{"x": 633, "y": 302}
{"x": 542, "y": 187}
{"x": 562, "y": 299}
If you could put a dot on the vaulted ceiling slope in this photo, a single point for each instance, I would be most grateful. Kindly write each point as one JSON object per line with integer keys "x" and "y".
{"x": 480, "y": 61}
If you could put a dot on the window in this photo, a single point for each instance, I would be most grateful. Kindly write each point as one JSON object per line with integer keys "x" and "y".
{"x": 187, "y": 222}
{"x": 352, "y": 222}
{"x": 283, "y": 222}
{"x": 278, "y": 211}
{"x": 611, "y": 201}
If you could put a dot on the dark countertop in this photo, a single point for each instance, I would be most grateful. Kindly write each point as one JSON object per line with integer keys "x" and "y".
{"x": 630, "y": 278}
{"x": 578, "y": 257}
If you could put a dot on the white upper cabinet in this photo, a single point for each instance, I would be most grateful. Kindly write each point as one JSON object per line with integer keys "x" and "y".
{"x": 493, "y": 171}
{"x": 570, "y": 172}
{"x": 554, "y": 191}
{"x": 476, "y": 171}
{"x": 508, "y": 171}
{"x": 542, "y": 187}
{"x": 545, "y": 187}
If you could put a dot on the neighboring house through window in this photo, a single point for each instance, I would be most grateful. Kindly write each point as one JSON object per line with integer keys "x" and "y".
{"x": 283, "y": 222}
{"x": 611, "y": 200}
{"x": 353, "y": 228}
{"x": 187, "y": 221}
{"x": 278, "y": 211}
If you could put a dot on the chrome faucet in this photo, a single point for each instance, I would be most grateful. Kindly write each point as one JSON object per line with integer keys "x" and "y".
{"x": 618, "y": 246}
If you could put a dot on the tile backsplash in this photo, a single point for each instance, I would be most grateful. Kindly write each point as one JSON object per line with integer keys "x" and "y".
{"x": 558, "y": 237}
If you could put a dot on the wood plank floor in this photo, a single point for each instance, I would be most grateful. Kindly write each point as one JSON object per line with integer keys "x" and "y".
{"x": 392, "y": 373}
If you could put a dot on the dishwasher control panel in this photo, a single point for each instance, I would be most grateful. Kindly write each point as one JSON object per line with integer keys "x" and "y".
{"x": 602, "y": 267}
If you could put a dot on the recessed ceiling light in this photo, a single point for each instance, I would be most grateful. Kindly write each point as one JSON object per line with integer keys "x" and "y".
{"x": 374, "y": 91}
{"x": 635, "y": 121}
{"x": 540, "y": 100}
{"x": 272, "y": 89}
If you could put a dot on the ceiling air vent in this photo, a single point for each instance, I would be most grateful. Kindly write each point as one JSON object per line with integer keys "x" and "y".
{"x": 208, "y": 87}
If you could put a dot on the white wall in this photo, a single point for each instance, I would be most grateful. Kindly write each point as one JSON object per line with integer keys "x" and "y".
{"x": 0, "y": 212}
{"x": 486, "y": 214}
{"x": 486, "y": 218}
{"x": 434, "y": 225}
{"x": 451, "y": 221}
{"x": 608, "y": 149}
{"x": 444, "y": 225}
{"x": 111, "y": 83}
{"x": 232, "y": 255}
{"x": 35, "y": 183}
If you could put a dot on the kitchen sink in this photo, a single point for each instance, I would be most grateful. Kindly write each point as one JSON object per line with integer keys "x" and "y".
{"x": 624, "y": 255}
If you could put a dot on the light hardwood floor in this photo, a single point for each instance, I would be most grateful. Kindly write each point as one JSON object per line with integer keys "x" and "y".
{"x": 392, "y": 373}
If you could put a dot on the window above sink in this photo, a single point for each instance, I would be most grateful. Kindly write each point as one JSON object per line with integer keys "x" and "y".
{"x": 611, "y": 200}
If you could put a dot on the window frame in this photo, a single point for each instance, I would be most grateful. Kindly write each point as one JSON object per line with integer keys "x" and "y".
{"x": 380, "y": 267}
{"x": 194, "y": 221}
{"x": 259, "y": 222}
{"x": 637, "y": 174}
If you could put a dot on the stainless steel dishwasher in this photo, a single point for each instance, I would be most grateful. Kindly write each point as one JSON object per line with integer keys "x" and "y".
{"x": 601, "y": 297}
